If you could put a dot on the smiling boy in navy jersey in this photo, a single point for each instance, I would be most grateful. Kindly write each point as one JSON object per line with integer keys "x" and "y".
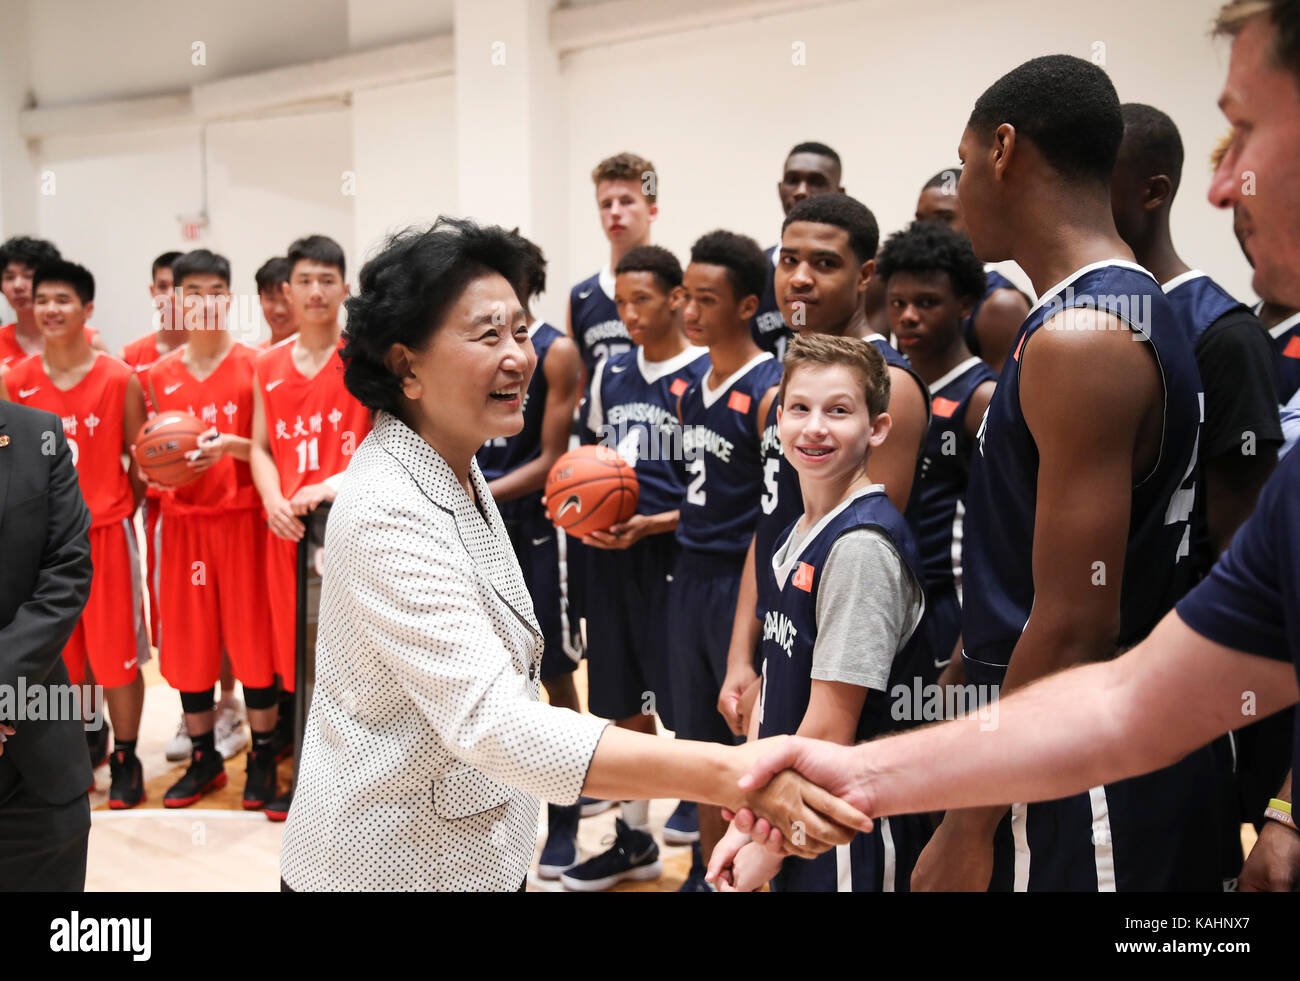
{"x": 932, "y": 279}
{"x": 844, "y": 605}
{"x": 632, "y": 409}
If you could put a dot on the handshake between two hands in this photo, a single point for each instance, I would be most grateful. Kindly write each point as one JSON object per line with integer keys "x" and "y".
{"x": 798, "y": 797}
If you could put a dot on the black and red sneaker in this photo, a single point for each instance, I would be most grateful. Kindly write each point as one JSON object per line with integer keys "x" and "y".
{"x": 205, "y": 774}
{"x": 281, "y": 742}
{"x": 259, "y": 781}
{"x": 127, "y": 786}
{"x": 278, "y": 809}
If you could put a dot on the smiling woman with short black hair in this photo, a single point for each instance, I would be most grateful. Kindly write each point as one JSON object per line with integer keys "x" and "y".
{"x": 426, "y": 748}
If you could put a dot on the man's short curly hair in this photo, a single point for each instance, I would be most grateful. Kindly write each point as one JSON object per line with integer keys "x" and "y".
{"x": 628, "y": 167}
{"x": 740, "y": 255}
{"x": 405, "y": 290}
{"x": 932, "y": 246}
{"x": 657, "y": 261}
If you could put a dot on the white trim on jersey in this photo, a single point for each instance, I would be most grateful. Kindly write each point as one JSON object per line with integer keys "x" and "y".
{"x": 1101, "y": 841}
{"x": 781, "y": 569}
{"x": 1019, "y": 834}
{"x": 843, "y": 869}
{"x": 890, "y": 867}
{"x": 605, "y": 279}
{"x": 952, "y": 376}
{"x": 1123, "y": 263}
{"x": 137, "y": 593}
{"x": 652, "y": 371}
{"x": 958, "y": 521}
{"x": 596, "y": 411}
{"x": 711, "y": 396}
{"x": 1186, "y": 277}
{"x": 1278, "y": 330}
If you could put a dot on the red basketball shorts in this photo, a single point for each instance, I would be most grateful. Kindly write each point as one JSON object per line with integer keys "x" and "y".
{"x": 282, "y": 591}
{"x": 212, "y": 595}
{"x": 111, "y": 630}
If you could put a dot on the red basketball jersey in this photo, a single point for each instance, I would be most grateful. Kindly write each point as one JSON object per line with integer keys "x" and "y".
{"x": 92, "y": 413}
{"x": 141, "y": 352}
{"x": 314, "y": 424}
{"x": 225, "y": 400}
{"x": 11, "y": 352}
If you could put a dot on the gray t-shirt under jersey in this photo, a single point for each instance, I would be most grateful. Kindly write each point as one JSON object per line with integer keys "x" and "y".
{"x": 868, "y": 604}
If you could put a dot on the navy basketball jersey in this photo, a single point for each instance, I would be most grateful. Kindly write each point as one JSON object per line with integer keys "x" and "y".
{"x": 781, "y": 501}
{"x": 724, "y": 466}
{"x": 993, "y": 281}
{"x": 503, "y": 454}
{"x": 1286, "y": 339}
{"x": 937, "y": 510}
{"x": 768, "y": 326}
{"x": 1198, "y": 301}
{"x": 597, "y": 329}
{"x": 1002, "y": 492}
{"x": 788, "y": 639}
{"x": 634, "y": 411}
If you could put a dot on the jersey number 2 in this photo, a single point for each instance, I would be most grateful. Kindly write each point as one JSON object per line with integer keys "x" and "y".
{"x": 695, "y": 492}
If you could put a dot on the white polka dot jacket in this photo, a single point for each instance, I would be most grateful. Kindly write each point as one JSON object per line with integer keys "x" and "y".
{"x": 426, "y": 748}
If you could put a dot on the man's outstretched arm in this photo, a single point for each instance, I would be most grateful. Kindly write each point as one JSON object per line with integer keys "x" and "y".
{"x": 1089, "y": 725}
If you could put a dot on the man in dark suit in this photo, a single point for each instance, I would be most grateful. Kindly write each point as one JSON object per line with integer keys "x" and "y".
{"x": 44, "y": 583}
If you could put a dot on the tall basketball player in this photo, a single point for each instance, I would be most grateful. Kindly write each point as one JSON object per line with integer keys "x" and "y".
{"x": 1081, "y": 489}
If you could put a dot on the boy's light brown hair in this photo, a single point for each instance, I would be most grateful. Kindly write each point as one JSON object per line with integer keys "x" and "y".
{"x": 859, "y": 356}
{"x": 1284, "y": 15}
{"x": 628, "y": 167}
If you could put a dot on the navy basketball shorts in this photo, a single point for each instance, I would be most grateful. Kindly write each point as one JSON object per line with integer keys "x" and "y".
{"x": 879, "y": 861}
{"x": 1158, "y": 832}
{"x": 627, "y": 631}
{"x": 941, "y": 626}
{"x": 536, "y": 545}
{"x": 703, "y": 604}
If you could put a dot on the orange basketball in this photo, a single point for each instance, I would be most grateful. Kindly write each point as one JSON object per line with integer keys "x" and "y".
{"x": 162, "y": 444}
{"x": 589, "y": 489}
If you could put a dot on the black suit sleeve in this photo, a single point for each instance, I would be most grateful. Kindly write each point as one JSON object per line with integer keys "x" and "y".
{"x": 1238, "y": 369}
{"x": 32, "y": 643}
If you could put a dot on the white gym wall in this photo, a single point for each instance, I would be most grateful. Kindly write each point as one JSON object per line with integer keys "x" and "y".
{"x": 107, "y": 124}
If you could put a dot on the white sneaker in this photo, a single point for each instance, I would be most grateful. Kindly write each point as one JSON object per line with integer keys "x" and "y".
{"x": 231, "y": 734}
{"x": 179, "y": 747}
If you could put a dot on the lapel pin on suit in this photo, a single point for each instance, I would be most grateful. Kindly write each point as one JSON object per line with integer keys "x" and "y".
{"x": 4, "y": 440}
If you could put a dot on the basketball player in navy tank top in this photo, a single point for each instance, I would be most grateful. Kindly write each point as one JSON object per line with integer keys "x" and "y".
{"x": 625, "y": 200}
{"x": 1081, "y": 489}
{"x": 515, "y": 468}
{"x": 995, "y": 319}
{"x": 721, "y": 418}
{"x": 828, "y": 247}
{"x": 1241, "y": 431}
{"x": 932, "y": 278}
{"x": 633, "y": 410}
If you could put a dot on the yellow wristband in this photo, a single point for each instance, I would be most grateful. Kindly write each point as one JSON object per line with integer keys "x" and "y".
{"x": 1280, "y": 811}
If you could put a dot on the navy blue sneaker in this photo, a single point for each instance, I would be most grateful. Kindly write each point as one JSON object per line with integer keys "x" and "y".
{"x": 589, "y": 806}
{"x": 560, "y": 853}
{"x": 683, "y": 825}
{"x": 634, "y": 856}
{"x": 695, "y": 881}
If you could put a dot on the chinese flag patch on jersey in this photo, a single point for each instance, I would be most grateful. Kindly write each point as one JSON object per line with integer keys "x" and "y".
{"x": 1292, "y": 350}
{"x": 738, "y": 401}
{"x": 803, "y": 577}
{"x": 678, "y": 386}
{"x": 944, "y": 407}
